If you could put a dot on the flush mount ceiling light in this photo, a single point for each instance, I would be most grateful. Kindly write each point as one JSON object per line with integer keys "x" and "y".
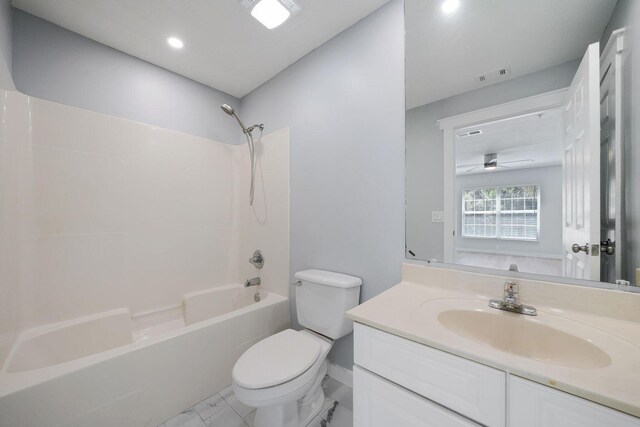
{"x": 450, "y": 6}
{"x": 175, "y": 42}
{"x": 272, "y": 13}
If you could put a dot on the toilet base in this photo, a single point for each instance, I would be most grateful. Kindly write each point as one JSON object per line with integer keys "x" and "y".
{"x": 298, "y": 413}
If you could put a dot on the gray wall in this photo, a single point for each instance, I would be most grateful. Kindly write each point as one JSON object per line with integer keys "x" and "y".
{"x": 344, "y": 103}
{"x": 550, "y": 181}
{"x": 56, "y": 64}
{"x": 627, "y": 14}
{"x": 6, "y": 44}
{"x": 425, "y": 149}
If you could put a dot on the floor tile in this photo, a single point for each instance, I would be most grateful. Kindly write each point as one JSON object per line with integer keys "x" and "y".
{"x": 342, "y": 417}
{"x": 227, "y": 417}
{"x": 225, "y": 410}
{"x": 188, "y": 418}
{"x": 242, "y": 409}
{"x": 335, "y": 390}
{"x": 249, "y": 419}
{"x": 211, "y": 406}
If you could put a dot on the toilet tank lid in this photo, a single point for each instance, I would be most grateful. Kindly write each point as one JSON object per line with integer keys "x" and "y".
{"x": 328, "y": 278}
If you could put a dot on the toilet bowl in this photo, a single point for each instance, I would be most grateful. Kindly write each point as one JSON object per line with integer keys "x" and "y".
{"x": 282, "y": 375}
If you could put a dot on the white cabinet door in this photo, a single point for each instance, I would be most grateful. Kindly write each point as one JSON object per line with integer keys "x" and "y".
{"x": 468, "y": 388}
{"x": 534, "y": 405}
{"x": 380, "y": 403}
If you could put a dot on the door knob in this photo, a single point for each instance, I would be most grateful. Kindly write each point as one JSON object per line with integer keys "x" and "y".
{"x": 577, "y": 248}
{"x": 608, "y": 247}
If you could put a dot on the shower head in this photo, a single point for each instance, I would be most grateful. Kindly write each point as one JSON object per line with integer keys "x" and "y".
{"x": 228, "y": 109}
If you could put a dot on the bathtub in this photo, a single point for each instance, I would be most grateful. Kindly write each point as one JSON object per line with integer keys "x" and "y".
{"x": 112, "y": 369}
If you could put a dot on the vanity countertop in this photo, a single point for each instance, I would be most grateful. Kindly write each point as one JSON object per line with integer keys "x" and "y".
{"x": 608, "y": 319}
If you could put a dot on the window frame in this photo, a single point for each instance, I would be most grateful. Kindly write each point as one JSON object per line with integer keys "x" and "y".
{"x": 498, "y": 212}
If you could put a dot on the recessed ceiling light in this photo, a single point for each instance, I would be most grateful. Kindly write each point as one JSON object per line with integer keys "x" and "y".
{"x": 270, "y": 13}
{"x": 450, "y": 6}
{"x": 175, "y": 42}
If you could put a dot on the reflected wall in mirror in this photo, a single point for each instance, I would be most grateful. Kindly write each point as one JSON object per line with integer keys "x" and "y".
{"x": 520, "y": 138}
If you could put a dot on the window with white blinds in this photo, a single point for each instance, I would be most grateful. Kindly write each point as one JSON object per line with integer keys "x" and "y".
{"x": 506, "y": 212}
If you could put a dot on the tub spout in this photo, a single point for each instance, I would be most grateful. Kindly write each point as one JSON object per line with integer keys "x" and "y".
{"x": 252, "y": 282}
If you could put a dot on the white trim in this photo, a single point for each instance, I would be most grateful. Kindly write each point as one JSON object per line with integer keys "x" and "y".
{"x": 616, "y": 37}
{"x": 536, "y": 103}
{"x": 341, "y": 374}
{"x": 530, "y": 104}
{"x": 522, "y": 254}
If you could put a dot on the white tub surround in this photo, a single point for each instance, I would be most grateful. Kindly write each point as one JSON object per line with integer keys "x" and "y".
{"x": 418, "y": 309}
{"x": 118, "y": 242}
{"x": 129, "y": 215}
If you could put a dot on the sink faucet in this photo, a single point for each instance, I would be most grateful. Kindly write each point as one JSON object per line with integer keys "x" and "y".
{"x": 252, "y": 282}
{"x": 510, "y": 301}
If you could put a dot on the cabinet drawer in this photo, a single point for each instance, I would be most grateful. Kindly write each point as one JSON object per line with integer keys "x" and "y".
{"x": 534, "y": 405}
{"x": 380, "y": 403}
{"x": 471, "y": 389}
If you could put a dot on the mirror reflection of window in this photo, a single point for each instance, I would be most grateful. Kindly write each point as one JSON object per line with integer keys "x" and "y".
{"x": 509, "y": 212}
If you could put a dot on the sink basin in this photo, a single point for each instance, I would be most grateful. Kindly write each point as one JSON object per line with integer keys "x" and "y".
{"x": 525, "y": 337}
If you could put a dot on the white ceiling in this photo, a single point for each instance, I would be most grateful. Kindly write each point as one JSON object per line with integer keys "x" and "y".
{"x": 225, "y": 48}
{"x": 446, "y": 53}
{"x": 536, "y": 136}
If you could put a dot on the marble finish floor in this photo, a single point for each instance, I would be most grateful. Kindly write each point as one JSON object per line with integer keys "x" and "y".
{"x": 224, "y": 410}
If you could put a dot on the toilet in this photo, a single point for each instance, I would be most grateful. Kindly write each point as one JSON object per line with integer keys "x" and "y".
{"x": 281, "y": 375}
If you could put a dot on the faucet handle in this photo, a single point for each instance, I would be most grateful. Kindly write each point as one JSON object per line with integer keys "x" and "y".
{"x": 511, "y": 287}
{"x": 257, "y": 259}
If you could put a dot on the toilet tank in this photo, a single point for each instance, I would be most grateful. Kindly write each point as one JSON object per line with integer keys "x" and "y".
{"x": 322, "y": 298}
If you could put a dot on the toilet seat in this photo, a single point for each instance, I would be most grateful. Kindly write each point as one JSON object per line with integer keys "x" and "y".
{"x": 276, "y": 360}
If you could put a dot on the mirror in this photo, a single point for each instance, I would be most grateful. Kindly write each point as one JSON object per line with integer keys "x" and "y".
{"x": 519, "y": 148}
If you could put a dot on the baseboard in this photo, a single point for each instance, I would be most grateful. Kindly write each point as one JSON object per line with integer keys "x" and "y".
{"x": 337, "y": 372}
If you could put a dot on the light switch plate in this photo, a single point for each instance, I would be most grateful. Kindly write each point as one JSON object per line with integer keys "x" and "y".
{"x": 437, "y": 216}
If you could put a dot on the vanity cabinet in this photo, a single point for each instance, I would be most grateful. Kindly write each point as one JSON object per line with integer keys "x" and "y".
{"x": 381, "y": 403}
{"x": 471, "y": 389}
{"x": 400, "y": 382}
{"x": 534, "y": 405}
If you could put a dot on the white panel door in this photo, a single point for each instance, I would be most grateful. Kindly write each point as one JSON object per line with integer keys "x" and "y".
{"x": 581, "y": 167}
{"x": 534, "y": 405}
{"x": 380, "y": 403}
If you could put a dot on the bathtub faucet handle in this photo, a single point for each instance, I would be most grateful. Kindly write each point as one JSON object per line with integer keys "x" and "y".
{"x": 257, "y": 259}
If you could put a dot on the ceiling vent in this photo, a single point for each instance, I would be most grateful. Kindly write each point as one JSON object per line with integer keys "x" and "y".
{"x": 467, "y": 134}
{"x": 496, "y": 75}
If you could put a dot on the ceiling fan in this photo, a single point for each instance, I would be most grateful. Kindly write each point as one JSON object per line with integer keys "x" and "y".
{"x": 491, "y": 163}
